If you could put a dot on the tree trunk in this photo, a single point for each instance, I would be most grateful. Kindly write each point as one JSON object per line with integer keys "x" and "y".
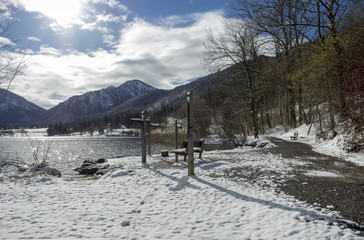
{"x": 292, "y": 110}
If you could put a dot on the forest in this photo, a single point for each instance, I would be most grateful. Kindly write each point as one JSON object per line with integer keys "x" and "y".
{"x": 292, "y": 63}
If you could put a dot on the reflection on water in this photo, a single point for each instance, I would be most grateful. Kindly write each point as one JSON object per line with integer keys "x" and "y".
{"x": 67, "y": 153}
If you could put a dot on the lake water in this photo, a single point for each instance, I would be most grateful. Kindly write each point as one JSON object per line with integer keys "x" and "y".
{"x": 67, "y": 153}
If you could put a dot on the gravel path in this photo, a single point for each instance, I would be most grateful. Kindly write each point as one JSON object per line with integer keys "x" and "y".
{"x": 323, "y": 180}
{"x": 318, "y": 179}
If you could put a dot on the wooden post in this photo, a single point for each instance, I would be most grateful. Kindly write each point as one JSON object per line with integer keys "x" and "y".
{"x": 149, "y": 142}
{"x": 145, "y": 122}
{"x": 190, "y": 160}
{"x": 144, "y": 150}
{"x": 176, "y": 127}
{"x": 176, "y": 133}
{"x": 176, "y": 138}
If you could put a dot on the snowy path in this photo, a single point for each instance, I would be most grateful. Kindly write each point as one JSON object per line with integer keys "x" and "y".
{"x": 323, "y": 179}
{"x": 140, "y": 202}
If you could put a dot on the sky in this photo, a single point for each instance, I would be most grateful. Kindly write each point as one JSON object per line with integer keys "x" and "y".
{"x": 75, "y": 46}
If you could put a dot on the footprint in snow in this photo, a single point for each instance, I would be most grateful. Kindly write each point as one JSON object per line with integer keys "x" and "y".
{"x": 125, "y": 223}
{"x": 135, "y": 211}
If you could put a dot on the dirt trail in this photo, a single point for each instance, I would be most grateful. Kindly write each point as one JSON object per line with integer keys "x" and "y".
{"x": 322, "y": 179}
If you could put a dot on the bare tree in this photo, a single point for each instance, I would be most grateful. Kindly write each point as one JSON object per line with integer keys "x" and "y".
{"x": 11, "y": 63}
{"x": 238, "y": 47}
{"x": 287, "y": 25}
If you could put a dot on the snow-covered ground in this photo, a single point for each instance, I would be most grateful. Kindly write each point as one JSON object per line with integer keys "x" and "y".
{"x": 333, "y": 147}
{"x": 158, "y": 200}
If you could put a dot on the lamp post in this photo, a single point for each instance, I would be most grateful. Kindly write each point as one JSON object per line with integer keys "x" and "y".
{"x": 144, "y": 150}
{"x": 191, "y": 167}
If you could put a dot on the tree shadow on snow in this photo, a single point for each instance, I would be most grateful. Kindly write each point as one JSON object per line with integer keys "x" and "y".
{"x": 270, "y": 204}
{"x": 181, "y": 182}
{"x": 208, "y": 165}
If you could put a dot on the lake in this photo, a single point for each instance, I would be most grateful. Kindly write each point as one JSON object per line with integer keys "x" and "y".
{"x": 67, "y": 153}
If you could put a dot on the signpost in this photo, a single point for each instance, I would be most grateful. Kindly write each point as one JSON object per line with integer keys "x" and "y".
{"x": 145, "y": 123}
{"x": 191, "y": 165}
{"x": 176, "y": 127}
{"x": 149, "y": 126}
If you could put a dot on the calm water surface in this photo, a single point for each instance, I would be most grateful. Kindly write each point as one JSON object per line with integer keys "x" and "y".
{"x": 69, "y": 153}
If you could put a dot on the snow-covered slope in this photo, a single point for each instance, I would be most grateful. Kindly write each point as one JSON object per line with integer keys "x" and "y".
{"x": 16, "y": 110}
{"x": 94, "y": 102}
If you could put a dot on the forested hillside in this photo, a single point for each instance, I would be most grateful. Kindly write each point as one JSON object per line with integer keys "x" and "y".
{"x": 315, "y": 74}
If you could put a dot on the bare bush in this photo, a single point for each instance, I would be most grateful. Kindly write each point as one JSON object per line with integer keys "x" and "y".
{"x": 40, "y": 149}
{"x": 8, "y": 163}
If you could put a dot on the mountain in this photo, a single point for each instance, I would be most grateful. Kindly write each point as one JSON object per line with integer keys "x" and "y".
{"x": 15, "y": 110}
{"x": 95, "y": 102}
{"x": 129, "y": 98}
{"x": 158, "y": 100}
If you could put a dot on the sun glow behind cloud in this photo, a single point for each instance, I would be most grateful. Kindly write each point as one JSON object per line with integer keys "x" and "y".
{"x": 64, "y": 12}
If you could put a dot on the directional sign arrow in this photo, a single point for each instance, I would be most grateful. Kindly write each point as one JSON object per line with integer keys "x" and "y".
{"x": 136, "y": 120}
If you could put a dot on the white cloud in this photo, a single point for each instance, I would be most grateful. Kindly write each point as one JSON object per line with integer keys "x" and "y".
{"x": 108, "y": 39}
{"x": 67, "y": 13}
{"x": 166, "y": 52}
{"x": 46, "y": 50}
{"x": 34, "y": 39}
{"x": 97, "y": 18}
{"x": 159, "y": 55}
{"x": 172, "y": 21}
{"x": 110, "y": 3}
{"x": 100, "y": 21}
{"x": 6, "y": 42}
{"x": 6, "y": 10}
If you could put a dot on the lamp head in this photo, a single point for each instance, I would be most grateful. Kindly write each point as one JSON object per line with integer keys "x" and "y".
{"x": 189, "y": 96}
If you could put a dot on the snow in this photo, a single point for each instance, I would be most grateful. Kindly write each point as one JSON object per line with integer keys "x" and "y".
{"x": 158, "y": 200}
{"x": 322, "y": 174}
{"x": 334, "y": 147}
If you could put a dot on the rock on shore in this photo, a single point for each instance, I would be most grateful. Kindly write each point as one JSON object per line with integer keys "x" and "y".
{"x": 91, "y": 167}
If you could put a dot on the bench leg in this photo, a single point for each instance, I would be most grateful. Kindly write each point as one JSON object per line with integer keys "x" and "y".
{"x": 176, "y": 157}
{"x": 200, "y": 155}
{"x": 184, "y": 157}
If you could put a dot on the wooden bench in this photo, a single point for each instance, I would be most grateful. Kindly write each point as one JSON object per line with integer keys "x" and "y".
{"x": 164, "y": 153}
{"x": 197, "y": 148}
{"x": 295, "y": 136}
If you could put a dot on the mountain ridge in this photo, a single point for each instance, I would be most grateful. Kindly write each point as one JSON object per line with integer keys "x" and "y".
{"x": 131, "y": 97}
{"x": 16, "y": 110}
{"x": 94, "y": 102}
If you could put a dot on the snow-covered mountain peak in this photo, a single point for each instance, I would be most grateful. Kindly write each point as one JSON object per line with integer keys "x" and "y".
{"x": 96, "y": 102}
{"x": 17, "y": 110}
